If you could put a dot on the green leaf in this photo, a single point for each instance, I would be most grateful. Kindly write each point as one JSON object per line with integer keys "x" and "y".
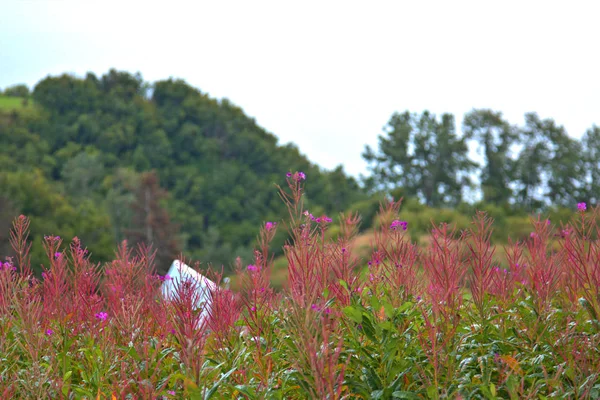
{"x": 213, "y": 390}
{"x": 432, "y": 392}
{"x": 401, "y": 394}
{"x": 343, "y": 284}
{"x": 352, "y": 313}
{"x": 389, "y": 310}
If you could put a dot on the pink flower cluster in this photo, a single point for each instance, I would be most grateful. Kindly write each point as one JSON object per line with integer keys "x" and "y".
{"x": 322, "y": 219}
{"x": 8, "y": 266}
{"x": 102, "y": 316}
{"x": 397, "y": 224}
{"x": 296, "y": 176}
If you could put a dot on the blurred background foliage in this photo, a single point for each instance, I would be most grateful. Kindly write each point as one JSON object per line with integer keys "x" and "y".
{"x": 114, "y": 157}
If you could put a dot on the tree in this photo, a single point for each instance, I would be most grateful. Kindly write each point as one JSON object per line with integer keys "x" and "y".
{"x": 17, "y": 91}
{"x": 83, "y": 174}
{"x": 426, "y": 158}
{"x": 591, "y": 158}
{"x": 549, "y": 167}
{"x": 496, "y": 136}
{"x": 151, "y": 224}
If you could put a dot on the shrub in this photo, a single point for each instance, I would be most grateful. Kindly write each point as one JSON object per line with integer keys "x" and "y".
{"x": 457, "y": 318}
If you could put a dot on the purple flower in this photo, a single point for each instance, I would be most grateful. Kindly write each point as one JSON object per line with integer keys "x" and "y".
{"x": 314, "y": 307}
{"x": 325, "y": 218}
{"x": 102, "y": 316}
{"x": 269, "y": 225}
{"x": 343, "y": 249}
{"x": 301, "y": 176}
{"x": 252, "y": 268}
{"x": 49, "y": 332}
{"x": 171, "y": 392}
{"x": 253, "y": 308}
{"x": 8, "y": 266}
{"x": 57, "y": 254}
{"x": 581, "y": 206}
{"x": 289, "y": 174}
{"x": 397, "y": 223}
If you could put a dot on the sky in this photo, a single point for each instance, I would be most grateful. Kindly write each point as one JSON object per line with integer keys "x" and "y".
{"x": 327, "y": 75}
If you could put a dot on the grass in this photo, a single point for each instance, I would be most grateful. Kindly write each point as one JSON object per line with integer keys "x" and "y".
{"x": 433, "y": 322}
{"x": 8, "y": 103}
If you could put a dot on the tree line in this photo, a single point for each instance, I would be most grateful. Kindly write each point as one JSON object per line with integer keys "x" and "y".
{"x": 112, "y": 157}
{"x": 529, "y": 167}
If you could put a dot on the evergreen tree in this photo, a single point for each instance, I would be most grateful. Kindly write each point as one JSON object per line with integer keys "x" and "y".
{"x": 496, "y": 136}
{"x": 591, "y": 158}
{"x": 422, "y": 155}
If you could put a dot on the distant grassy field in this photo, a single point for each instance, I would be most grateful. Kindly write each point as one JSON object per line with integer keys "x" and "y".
{"x": 11, "y": 103}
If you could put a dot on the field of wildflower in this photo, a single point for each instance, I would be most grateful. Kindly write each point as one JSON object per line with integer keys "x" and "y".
{"x": 458, "y": 318}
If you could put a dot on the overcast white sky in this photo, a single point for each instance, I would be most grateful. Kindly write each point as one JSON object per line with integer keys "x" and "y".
{"x": 327, "y": 75}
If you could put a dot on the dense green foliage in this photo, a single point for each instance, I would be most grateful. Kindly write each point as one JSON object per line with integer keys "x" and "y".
{"x": 74, "y": 153}
{"x": 76, "y": 162}
{"x": 442, "y": 321}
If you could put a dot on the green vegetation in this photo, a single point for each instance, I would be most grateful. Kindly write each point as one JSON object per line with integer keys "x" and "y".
{"x": 8, "y": 103}
{"x": 440, "y": 321}
{"x": 115, "y": 158}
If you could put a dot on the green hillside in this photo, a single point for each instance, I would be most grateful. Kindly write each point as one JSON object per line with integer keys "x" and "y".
{"x": 113, "y": 157}
{"x": 9, "y": 103}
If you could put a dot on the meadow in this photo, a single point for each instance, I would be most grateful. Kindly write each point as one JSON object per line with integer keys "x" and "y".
{"x": 455, "y": 318}
{"x": 8, "y": 103}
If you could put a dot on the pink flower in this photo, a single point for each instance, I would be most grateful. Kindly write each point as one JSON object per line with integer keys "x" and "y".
{"x": 102, "y": 316}
{"x": 397, "y": 223}
{"x": 252, "y": 268}
{"x": 8, "y": 266}
{"x": 49, "y": 332}
{"x": 57, "y": 254}
{"x": 289, "y": 174}
{"x": 269, "y": 225}
{"x": 301, "y": 176}
{"x": 171, "y": 392}
{"x": 581, "y": 206}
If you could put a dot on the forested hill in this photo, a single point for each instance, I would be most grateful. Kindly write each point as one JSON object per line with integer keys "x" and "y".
{"x": 78, "y": 158}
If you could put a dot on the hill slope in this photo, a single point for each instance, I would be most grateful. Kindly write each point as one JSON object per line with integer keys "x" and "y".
{"x": 75, "y": 166}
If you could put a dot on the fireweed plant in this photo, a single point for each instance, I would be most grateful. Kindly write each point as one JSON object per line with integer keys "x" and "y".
{"x": 455, "y": 318}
